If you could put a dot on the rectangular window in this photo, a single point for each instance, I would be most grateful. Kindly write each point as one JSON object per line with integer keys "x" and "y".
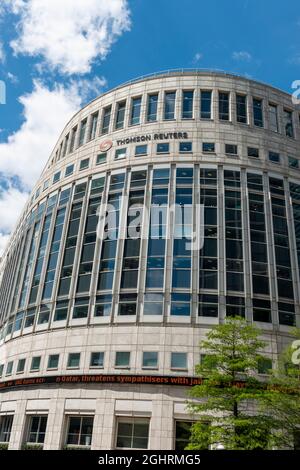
{"x": 258, "y": 119}
{"x": 82, "y": 132}
{"x": 231, "y": 149}
{"x": 162, "y": 148}
{"x": 1, "y": 369}
{"x": 132, "y": 433}
{"x": 80, "y": 431}
{"x": 73, "y": 138}
{"x": 205, "y": 104}
{"x": 273, "y": 117}
{"x": 120, "y": 115}
{"x": 288, "y": 123}
{"x": 56, "y": 177}
{"x": 224, "y": 106}
{"x": 293, "y": 162}
{"x": 61, "y": 311}
{"x": 73, "y": 361}
{"x": 253, "y": 152}
{"x": 135, "y": 111}
{"x": 274, "y": 157}
{"x": 93, "y": 128}
{"x": 187, "y": 104}
{"x": 69, "y": 170}
{"x": 53, "y": 361}
{"x": 84, "y": 164}
{"x": 46, "y": 185}
{"x": 5, "y": 428}
{"x": 36, "y": 429}
{"x": 122, "y": 359}
{"x": 208, "y": 305}
{"x": 169, "y": 107}
{"x": 241, "y": 109}
{"x": 101, "y": 158}
{"x": 35, "y": 363}
{"x": 208, "y": 147}
{"x": 181, "y": 303}
{"x": 120, "y": 153}
{"x": 264, "y": 365}
{"x": 21, "y": 366}
{"x": 140, "y": 150}
{"x": 152, "y": 108}
{"x": 81, "y": 308}
{"x": 97, "y": 359}
{"x": 106, "y": 120}
{"x": 185, "y": 147}
{"x": 178, "y": 360}
{"x": 153, "y": 304}
{"x": 103, "y": 304}
{"x": 9, "y": 368}
{"x": 150, "y": 360}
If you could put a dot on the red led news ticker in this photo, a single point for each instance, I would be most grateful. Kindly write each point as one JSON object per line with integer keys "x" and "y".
{"x": 101, "y": 379}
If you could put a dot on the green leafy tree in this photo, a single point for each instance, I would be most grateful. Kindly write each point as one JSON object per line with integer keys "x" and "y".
{"x": 235, "y": 404}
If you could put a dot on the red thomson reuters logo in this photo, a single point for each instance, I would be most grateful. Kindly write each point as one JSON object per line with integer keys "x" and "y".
{"x": 106, "y": 145}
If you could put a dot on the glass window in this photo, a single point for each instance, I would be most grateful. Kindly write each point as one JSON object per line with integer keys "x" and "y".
{"x": 253, "y": 152}
{"x": 135, "y": 110}
{"x": 258, "y": 119}
{"x": 185, "y": 147}
{"x": 73, "y": 361}
{"x": 208, "y": 305}
{"x": 97, "y": 359}
{"x": 274, "y": 157}
{"x": 37, "y": 429}
{"x": 178, "y": 360}
{"x": 5, "y": 427}
{"x": 120, "y": 153}
{"x": 81, "y": 308}
{"x": 93, "y": 128}
{"x": 106, "y": 120}
{"x": 150, "y": 360}
{"x": 61, "y": 311}
{"x": 241, "y": 109}
{"x": 224, "y": 106}
{"x": 182, "y": 434}
{"x": 264, "y": 365}
{"x": 73, "y": 138}
{"x": 122, "y": 359}
{"x": 153, "y": 304}
{"x": 103, "y": 305}
{"x": 273, "y": 117}
{"x": 187, "y": 104}
{"x": 35, "y": 363}
{"x": 140, "y": 150}
{"x": 120, "y": 115}
{"x": 56, "y": 177}
{"x": 21, "y": 366}
{"x": 293, "y": 162}
{"x": 9, "y": 368}
{"x": 1, "y": 369}
{"x": 162, "y": 148}
{"x": 152, "y": 107}
{"x": 288, "y": 123}
{"x": 205, "y": 104}
{"x": 170, "y": 100}
{"x": 231, "y": 149}
{"x": 82, "y": 132}
{"x": 180, "y": 303}
{"x": 80, "y": 431}
{"x": 69, "y": 170}
{"x": 46, "y": 185}
{"x": 53, "y": 361}
{"x": 132, "y": 433}
{"x": 101, "y": 158}
{"x": 84, "y": 164}
{"x": 208, "y": 147}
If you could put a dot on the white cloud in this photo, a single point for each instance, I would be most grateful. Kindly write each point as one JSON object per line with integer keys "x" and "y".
{"x": 197, "y": 57}
{"x": 69, "y": 35}
{"x": 12, "y": 78}
{"x": 242, "y": 56}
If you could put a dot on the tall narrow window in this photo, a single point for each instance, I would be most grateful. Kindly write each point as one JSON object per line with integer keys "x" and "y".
{"x": 223, "y": 106}
{"x": 187, "y": 104}
{"x": 273, "y": 117}
{"x": 241, "y": 109}
{"x": 93, "y": 127}
{"x": 5, "y": 427}
{"x": 80, "y": 430}
{"x": 288, "y": 123}
{"x": 170, "y": 99}
{"x": 152, "y": 108}
{"x": 120, "y": 115}
{"x": 258, "y": 119}
{"x": 37, "y": 429}
{"x": 135, "y": 111}
{"x": 82, "y": 132}
{"x": 73, "y": 138}
{"x": 205, "y": 104}
{"x": 106, "y": 120}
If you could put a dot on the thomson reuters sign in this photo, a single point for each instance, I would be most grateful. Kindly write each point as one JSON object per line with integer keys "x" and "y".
{"x": 106, "y": 145}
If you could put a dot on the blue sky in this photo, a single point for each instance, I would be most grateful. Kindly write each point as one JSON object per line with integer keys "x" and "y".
{"x": 52, "y": 64}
